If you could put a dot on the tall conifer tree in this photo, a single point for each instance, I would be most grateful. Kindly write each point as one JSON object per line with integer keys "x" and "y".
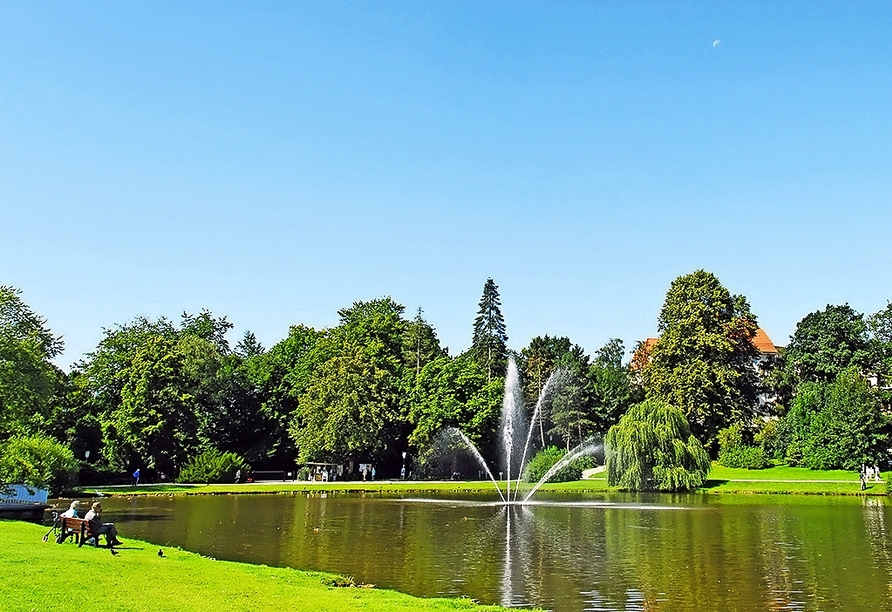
{"x": 490, "y": 340}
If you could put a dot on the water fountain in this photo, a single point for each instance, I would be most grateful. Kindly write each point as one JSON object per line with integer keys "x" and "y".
{"x": 513, "y": 435}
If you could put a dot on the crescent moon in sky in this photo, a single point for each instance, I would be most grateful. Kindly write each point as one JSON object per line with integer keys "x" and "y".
{"x": 716, "y": 43}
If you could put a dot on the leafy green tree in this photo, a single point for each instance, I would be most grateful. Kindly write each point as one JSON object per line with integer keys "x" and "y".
{"x": 795, "y": 427}
{"x": 490, "y": 341}
{"x": 353, "y": 406}
{"x": 825, "y": 343}
{"x": 455, "y": 393}
{"x": 249, "y": 346}
{"x": 610, "y": 383}
{"x": 420, "y": 344}
{"x": 348, "y": 410}
{"x": 652, "y": 449}
{"x": 37, "y": 461}
{"x": 879, "y": 332}
{"x": 572, "y": 413}
{"x": 703, "y": 361}
{"x": 276, "y": 379}
{"x": 155, "y": 423}
{"x": 537, "y": 362}
{"x": 850, "y": 430}
{"x": 27, "y": 377}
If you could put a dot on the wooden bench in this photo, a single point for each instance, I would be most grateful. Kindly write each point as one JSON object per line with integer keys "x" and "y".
{"x": 79, "y": 529}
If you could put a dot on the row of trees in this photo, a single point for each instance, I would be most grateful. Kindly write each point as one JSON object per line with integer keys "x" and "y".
{"x": 822, "y": 402}
{"x": 156, "y": 393}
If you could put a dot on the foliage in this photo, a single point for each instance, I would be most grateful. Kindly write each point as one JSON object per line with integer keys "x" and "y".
{"x": 545, "y": 459}
{"x": 652, "y": 449}
{"x": 703, "y": 361}
{"x": 37, "y": 461}
{"x": 455, "y": 392}
{"x": 825, "y": 343}
{"x": 346, "y": 410}
{"x": 27, "y": 378}
{"x": 420, "y": 344}
{"x": 850, "y": 430}
{"x": 213, "y": 466}
{"x": 353, "y": 403}
{"x": 571, "y": 406}
{"x": 768, "y": 438}
{"x": 155, "y": 424}
{"x": 734, "y": 452}
{"x": 276, "y": 379}
{"x": 489, "y": 343}
{"x": 838, "y": 425}
{"x": 879, "y": 333}
{"x": 611, "y": 388}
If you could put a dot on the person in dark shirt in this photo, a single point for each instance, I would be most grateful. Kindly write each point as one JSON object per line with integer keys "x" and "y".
{"x": 94, "y": 516}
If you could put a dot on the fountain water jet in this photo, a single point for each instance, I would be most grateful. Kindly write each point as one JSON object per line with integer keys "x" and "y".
{"x": 512, "y": 406}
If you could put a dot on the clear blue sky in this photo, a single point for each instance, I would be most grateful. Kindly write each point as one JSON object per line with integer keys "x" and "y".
{"x": 274, "y": 162}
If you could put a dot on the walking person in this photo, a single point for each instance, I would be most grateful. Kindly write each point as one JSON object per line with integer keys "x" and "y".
{"x": 136, "y": 477}
{"x": 863, "y": 479}
{"x": 373, "y": 472}
{"x": 238, "y": 476}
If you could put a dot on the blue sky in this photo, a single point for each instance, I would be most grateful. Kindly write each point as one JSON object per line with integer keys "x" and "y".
{"x": 274, "y": 162}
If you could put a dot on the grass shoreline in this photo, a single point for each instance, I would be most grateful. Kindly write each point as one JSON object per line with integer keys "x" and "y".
{"x": 721, "y": 480}
{"x": 50, "y": 576}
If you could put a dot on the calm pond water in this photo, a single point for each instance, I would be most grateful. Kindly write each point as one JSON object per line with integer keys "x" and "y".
{"x": 563, "y": 553}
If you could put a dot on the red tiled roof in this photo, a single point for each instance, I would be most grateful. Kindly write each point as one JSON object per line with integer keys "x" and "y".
{"x": 763, "y": 343}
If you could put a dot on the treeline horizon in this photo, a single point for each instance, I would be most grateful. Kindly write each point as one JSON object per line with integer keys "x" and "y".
{"x": 156, "y": 393}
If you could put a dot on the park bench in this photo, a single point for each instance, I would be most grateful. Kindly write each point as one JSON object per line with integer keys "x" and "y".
{"x": 79, "y": 529}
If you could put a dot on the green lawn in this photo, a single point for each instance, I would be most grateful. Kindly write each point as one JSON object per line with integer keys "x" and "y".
{"x": 49, "y": 576}
{"x": 719, "y": 472}
{"x": 721, "y": 480}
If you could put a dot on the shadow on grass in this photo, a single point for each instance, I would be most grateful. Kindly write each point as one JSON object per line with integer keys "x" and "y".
{"x": 711, "y": 483}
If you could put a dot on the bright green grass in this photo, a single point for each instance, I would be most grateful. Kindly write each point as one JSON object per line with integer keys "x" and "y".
{"x": 721, "y": 480}
{"x": 46, "y": 576}
{"x": 387, "y": 487}
{"x": 719, "y": 472}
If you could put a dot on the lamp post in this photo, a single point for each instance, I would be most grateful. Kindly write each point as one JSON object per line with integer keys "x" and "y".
{"x": 403, "y": 471}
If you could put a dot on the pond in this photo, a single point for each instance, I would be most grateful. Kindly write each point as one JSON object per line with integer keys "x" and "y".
{"x": 604, "y": 552}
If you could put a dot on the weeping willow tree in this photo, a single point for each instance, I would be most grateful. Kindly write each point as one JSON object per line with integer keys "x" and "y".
{"x": 652, "y": 449}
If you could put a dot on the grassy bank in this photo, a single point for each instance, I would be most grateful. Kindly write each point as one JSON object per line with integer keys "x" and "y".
{"x": 386, "y": 487}
{"x": 49, "y": 576}
{"x": 774, "y": 480}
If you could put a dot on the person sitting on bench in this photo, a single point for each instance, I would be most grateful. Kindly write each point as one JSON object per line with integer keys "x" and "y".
{"x": 72, "y": 510}
{"x": 97, "y": 527}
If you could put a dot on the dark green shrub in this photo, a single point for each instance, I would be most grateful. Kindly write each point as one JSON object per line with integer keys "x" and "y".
{"x": 735, "y": 453}
{"x": 38, "y": 461}
{"x": 547, "y": 457}
{"x": 213, "y": 466}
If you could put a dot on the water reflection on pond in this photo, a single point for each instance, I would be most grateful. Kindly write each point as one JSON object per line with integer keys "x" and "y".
{"x": 597, "y": 553}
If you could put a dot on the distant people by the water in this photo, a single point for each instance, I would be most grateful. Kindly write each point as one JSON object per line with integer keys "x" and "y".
{"x": 871, "y": 472}
{"x": 136, "y": 477}
{"x": 94, "y": 517}
{"x": 403, "y": 472}
{"x": 238, "y": 476}
{"x": 373, "y": 472}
